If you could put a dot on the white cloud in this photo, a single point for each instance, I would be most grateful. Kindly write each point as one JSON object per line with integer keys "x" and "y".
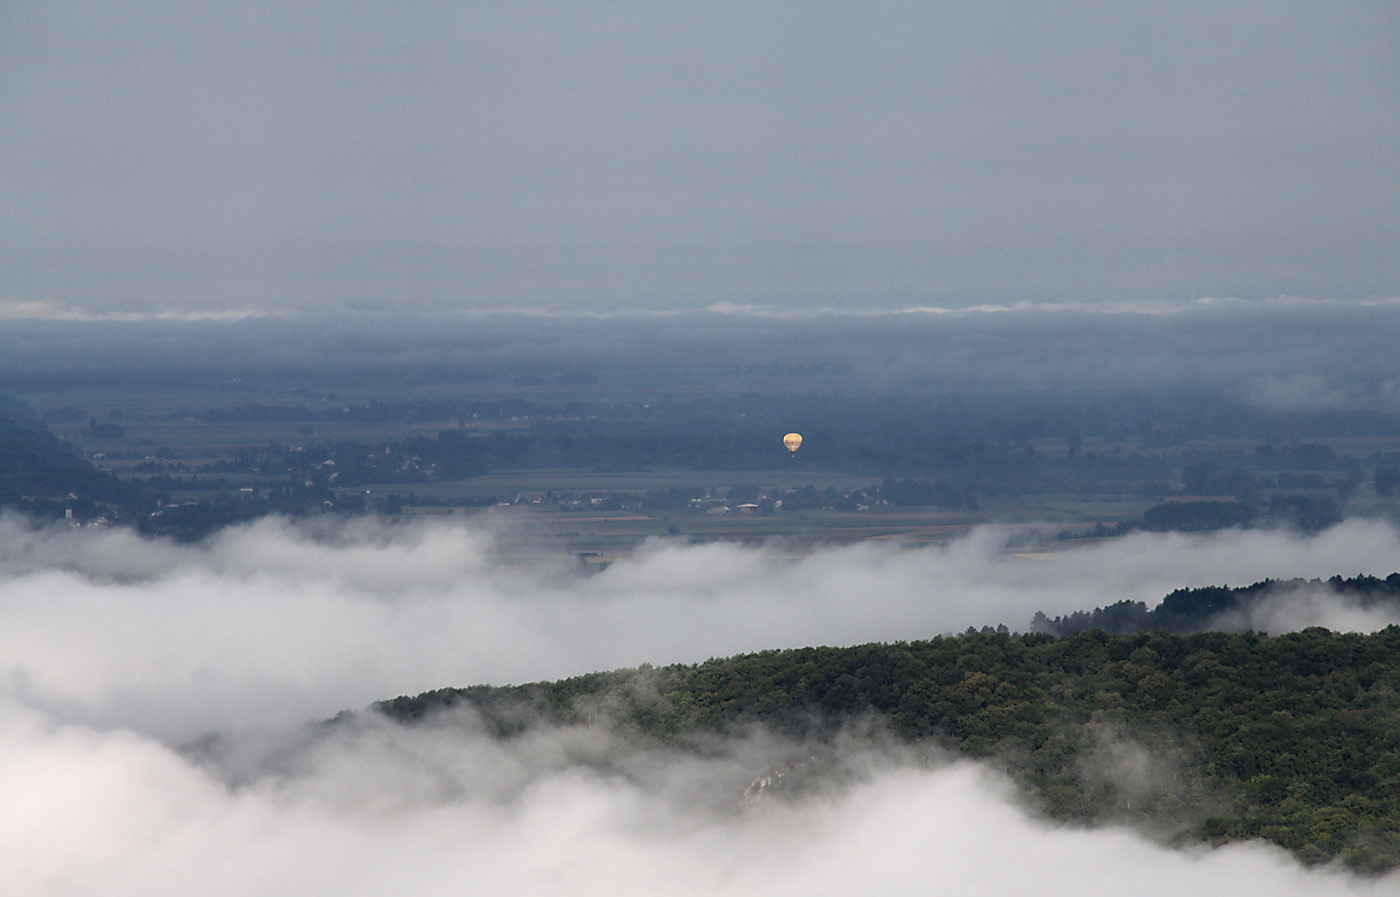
{"x": 421, "y": 811}
{"x": 1288, "y": 609}
{"x": 269, "y": 623}
{"x": 117, "y": 646}
{"x": 44, "y": 310}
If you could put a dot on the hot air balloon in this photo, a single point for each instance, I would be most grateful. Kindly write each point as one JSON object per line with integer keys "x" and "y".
{"x": 793, "y": 441}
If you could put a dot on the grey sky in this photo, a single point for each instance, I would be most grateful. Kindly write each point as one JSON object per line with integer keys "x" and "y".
{"x": 204, "y": 155}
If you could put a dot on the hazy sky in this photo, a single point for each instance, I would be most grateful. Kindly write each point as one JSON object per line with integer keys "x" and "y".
{"x": 210, "y": 155}
{"x": 1284, "y": 354}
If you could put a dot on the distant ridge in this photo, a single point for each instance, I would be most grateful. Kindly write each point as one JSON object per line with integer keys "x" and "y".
{"x": 1213, "y": 608}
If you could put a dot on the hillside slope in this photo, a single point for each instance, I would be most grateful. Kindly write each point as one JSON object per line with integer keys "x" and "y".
{"x": 38, "y": 473}
{"x": 1210, "y": 737}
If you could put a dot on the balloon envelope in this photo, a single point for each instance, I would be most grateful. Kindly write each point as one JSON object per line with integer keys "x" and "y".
{"x": 793, "y": 441}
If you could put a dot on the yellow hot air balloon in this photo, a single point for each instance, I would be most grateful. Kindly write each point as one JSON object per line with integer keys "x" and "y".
{"x": 793, "y": 441}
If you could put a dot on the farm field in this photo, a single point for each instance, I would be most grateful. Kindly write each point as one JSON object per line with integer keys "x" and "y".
{"x": 603, "y": 534}
{"x": 597, "y": 470}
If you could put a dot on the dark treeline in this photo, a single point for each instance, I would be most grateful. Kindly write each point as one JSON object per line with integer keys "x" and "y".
{"x": 1208, "y": 737}
{"x": 1213, "y": 607}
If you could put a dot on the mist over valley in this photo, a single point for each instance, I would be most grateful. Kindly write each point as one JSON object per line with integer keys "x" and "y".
{"x": 661, "y": 449}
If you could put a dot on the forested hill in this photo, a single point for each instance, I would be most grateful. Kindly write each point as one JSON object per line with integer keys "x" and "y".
{"x": 38, "y": 473}
{"x": 1209, "y": 737}
{"x": 1216, "y": 607}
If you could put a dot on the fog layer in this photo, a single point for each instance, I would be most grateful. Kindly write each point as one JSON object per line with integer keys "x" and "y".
{"x": 271, "y": 624}
{"x": 116, "y": 648}
{"x": 421, "y": 811}
{"x": 1277, "y": 354}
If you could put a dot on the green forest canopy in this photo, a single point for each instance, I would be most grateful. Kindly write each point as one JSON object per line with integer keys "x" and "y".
{"x": 1294, "y": 738}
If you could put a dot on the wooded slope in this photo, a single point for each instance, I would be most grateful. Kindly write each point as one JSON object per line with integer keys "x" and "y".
{"x": 1210, "y": 737}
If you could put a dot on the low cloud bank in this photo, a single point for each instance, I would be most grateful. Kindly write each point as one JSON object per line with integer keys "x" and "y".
{"x": 1281, "y": 355}
{"x": 271, "y": 623}
{"x": 376, "y": 810}
{"x": 116, "y": 648}
{"x": 1290, "y": 607}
